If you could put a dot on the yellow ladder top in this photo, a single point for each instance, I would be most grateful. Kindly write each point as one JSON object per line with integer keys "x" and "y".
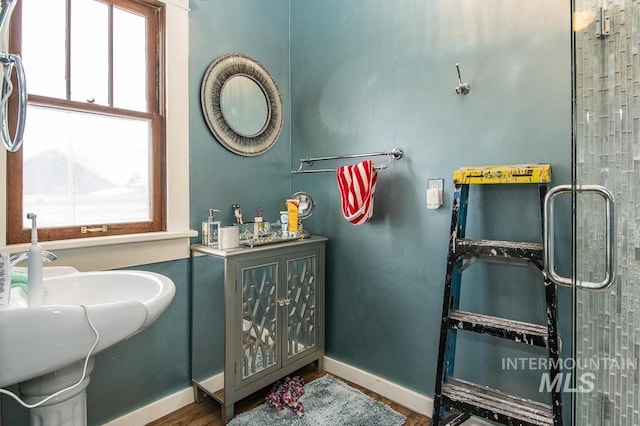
{"x": 516, "y": 173}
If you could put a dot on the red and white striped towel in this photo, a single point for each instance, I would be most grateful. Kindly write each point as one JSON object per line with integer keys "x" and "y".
{"x": 357, "y": 184}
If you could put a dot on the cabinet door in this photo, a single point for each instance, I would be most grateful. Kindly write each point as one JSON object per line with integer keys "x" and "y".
{"x": 301, "y": 302}
{"x": 257, "y": 301}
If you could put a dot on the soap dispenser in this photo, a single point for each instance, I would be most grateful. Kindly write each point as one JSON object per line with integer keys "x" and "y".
{"x": 210, "y": 229}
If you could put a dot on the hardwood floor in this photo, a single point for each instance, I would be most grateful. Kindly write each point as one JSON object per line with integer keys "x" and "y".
{"x": 207, "y": 413}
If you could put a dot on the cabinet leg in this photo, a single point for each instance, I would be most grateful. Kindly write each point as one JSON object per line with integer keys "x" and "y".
{"x": 227, "y": 412}
{"x": 198, "y": 394}
{"x": 319, "y": 365}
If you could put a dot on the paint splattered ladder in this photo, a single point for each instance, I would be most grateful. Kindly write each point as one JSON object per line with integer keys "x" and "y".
{"x": 456, "y": 400}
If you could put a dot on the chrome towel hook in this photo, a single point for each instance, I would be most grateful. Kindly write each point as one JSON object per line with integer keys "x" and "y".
{"x": 463, "y": 87}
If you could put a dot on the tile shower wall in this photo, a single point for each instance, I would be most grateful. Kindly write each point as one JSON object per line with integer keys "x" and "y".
{"x": 608, "y": 153}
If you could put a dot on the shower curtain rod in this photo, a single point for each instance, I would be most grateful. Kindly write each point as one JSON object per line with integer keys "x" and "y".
{"x": 394, "y": 154}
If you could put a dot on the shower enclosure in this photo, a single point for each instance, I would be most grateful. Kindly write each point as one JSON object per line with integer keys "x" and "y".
{"x": 606, "y": 152}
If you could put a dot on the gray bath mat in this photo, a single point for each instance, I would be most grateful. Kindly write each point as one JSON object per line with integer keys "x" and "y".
{"x": 327, "y": 402}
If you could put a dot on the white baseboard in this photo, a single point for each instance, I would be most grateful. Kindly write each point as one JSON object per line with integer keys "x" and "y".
{"x": 164, "y": 406}
{"x": 155, "y": 410}
{"x": 419, "y": 403}
{"x": 415, "y": 401}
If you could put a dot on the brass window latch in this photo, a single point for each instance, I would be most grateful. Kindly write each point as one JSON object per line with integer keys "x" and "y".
{"x": 85, "y": 230}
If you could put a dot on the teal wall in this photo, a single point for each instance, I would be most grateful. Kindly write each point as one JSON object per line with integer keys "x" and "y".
{"x": 359, "y": 76}
{"x": 220, "y": 178}
{"x": 371, "y": 75}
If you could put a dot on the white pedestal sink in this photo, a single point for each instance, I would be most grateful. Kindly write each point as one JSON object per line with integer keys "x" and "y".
{"x": 44, "y": 348}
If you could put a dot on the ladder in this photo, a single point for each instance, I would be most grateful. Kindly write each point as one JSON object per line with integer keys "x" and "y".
{"x": 456, "y": 400}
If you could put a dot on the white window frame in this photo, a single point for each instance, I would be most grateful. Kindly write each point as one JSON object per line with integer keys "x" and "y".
{"x": 120, "y": 251}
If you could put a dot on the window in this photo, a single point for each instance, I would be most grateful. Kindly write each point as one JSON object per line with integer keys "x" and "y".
{"x": 92, "y": 162}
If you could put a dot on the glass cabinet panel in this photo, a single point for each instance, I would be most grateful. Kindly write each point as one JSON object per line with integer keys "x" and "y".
{"x": 259, "y": 318}
{"x": 301, "y": 305}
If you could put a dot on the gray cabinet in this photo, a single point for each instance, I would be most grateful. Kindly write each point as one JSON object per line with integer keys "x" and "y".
{"x": 273, "y": 320}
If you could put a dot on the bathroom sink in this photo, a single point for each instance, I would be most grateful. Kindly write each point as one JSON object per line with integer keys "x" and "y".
{"x": 38, "y": 341}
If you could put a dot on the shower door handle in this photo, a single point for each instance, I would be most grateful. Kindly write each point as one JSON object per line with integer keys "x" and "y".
{"x": 549, "y": 258}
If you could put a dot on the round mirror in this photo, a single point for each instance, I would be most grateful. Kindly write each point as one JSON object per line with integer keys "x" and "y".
{"x": 305, "y": 204}
{"x": 244, "y": 105}
{"x": 241, "y": 105}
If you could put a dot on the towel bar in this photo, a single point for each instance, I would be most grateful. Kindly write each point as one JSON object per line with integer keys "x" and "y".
{"x": 394, "y": 154}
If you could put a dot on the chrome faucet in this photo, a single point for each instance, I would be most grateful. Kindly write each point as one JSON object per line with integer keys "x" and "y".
{"x": 47, "y": 257}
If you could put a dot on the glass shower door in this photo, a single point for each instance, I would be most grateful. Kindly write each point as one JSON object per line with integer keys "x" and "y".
{"x": 606, "y": 341}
